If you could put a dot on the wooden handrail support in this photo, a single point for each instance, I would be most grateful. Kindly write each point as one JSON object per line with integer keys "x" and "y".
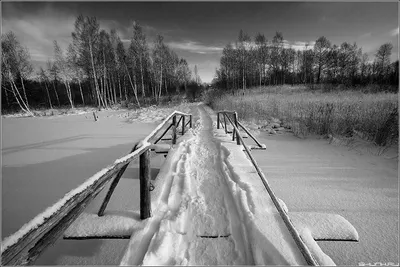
{"x": 144, "y": 170}
{"x": 248, "y": 132}
{"x": 296, "y": 236}
{"x": 27, "y": 244}
{"x": 237, "y": 123}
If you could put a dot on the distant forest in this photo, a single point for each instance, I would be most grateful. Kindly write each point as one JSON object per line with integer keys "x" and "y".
{"x": 96, "y": 69}
{"x": 258, "y": 62}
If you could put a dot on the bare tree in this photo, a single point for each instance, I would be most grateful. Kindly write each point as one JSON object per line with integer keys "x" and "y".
{"x": 73, "y": 65}
{"x": 321, "y": 49}
{"x": 85, "y": 40}
{"x": 62, "y": 65}
{"x": 44, "y": 79}
{"x": 15, "y": 60}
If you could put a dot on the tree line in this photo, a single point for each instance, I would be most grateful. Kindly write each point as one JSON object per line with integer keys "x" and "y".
{"x": 259, "y": 62}
{"x": 95, "y": 69}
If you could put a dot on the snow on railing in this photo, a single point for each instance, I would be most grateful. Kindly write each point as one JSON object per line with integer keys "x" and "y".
{"x": 27, "y": 244}
{"x": 296, "y": 236}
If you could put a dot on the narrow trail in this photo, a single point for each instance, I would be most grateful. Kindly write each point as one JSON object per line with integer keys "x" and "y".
{"x": 199, "y": 223}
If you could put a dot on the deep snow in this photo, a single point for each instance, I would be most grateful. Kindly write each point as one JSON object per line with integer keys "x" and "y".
{"x": 213, "y": 210}
{"x": 309, "y": 175}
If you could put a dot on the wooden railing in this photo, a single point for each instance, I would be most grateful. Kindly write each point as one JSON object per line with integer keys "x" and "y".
{"x": 27, "y": 244}
{"x": 225, "y": 114}
{"x": 239, "y": 140}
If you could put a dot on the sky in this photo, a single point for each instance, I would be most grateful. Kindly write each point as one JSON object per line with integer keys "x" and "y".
{"x": 198, "y": 31}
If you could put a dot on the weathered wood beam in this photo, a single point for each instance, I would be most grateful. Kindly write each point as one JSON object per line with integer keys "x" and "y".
{"x": 174, "y": 130}
{"x": 252, "y": 136}
{"x": 183, "y": 124}
{"x": 161, "y": 136}
{"x": 145, "y": 177}
{"x": 114, "y": 185}
{"x": 25, "y": 245}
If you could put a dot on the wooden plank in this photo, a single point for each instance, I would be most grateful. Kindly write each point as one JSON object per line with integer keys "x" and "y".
{"x": 324, "y": 226}
{"x": 97, "y": 237}
{"x": 161, "y": 148}
{"x": 28, "y": 243}
{"x": 226, "y": 111}
{"x": 145, "y": 177}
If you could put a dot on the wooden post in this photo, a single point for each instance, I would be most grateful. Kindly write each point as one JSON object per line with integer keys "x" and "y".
{"x": 233, "y": 128}
{"x": 190, "y": 120}
{"x": 145, "y": 195}
{"x": 179, "y": 121}
{"x": 183, "y": 124}
{"x": 218, "y": 120}
{"x": 236, "y": 124}
{"x": 225, "y": 122}
{"x": 94, "y": 115}
{"x": 174, "y": 130}
{"x": 247, "y": 131}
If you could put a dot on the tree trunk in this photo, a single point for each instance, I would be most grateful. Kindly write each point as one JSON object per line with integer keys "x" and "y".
{"x": 15, "y": 89}
{"x": 94, "y": 73}
{"x": 23, "y": 88}
{"x": 159, "y": 93}
{"x": 69, "y": 94}
{"x": 133, "y": 88}
{"x": 114, "y": 89}
{"x": 141, "y": 71}
{"x": 126, "y": 93}
{"x": 55, "y": 91}
{"x": 80, "y": 89}
{"x": 7, "y": 101}
{"x": 16, "y": 97}
{"x": 120, "y": 89}
{"x": 48, "y": 94}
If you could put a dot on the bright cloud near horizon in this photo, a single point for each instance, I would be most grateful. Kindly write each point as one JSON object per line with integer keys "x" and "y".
{"x": 198, "y": 31}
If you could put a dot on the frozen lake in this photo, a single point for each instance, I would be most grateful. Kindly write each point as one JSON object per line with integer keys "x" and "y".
{"x": 44, "y": 158}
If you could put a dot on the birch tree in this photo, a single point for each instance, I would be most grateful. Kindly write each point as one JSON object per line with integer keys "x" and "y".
{"x": 62, "y": 65}
{"x": 14, "y": 61}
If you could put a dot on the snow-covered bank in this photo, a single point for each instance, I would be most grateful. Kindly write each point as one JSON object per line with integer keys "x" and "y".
{"x": 311, "y": 175}
{"x": 153, "y": 114}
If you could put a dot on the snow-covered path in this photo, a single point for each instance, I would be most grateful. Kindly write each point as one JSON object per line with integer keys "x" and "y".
{"x": 199, "y": 226}
{"x": 210, "y": 208}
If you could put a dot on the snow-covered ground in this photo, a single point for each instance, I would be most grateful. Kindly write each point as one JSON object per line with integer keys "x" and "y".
{"x": 43, "y": 158}
{"x": 209, "y": 213}
{"x": 314, "y": 176}
{"x": 59, "y": 153}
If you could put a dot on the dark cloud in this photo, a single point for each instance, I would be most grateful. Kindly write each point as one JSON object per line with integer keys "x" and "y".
{"x": 198, "y": 31}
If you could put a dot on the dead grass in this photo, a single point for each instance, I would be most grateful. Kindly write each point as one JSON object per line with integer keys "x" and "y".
{"x": 343, "y": 113}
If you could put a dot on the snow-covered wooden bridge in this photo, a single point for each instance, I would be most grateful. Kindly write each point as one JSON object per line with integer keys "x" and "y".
{"x": 210, "y": 205}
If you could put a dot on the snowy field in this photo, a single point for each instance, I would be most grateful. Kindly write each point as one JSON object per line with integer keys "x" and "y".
{"x": 44, "y": 158}
{"x": 314, "y": 176}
